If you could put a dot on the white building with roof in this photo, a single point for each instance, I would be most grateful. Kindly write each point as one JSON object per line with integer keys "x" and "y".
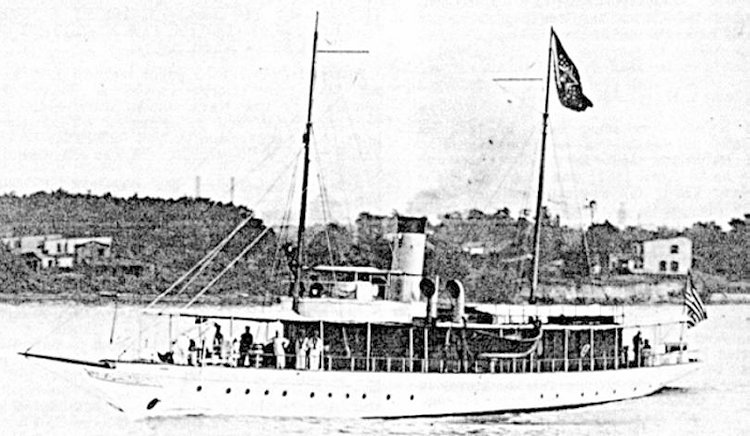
{"x": 672, "y": 256}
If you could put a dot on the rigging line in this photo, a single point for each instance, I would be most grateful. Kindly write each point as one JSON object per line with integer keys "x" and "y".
{"x": 335, "y": 250}
{"x": 512, "y": 167}
{"x": 60, "y": 375}
{"x": 227, "y": 268}
{"x": 560, "y": 186}
{"x": 53, "y": 329}
{"x": 522, "y": 102}
{"x": 285, "y": 219}
{"x": 335, "y": 140}
{"x": 273, "y": 184}
{"x": 324, "y": 203}
{"x": 325, "y": 220}
{"x": 201, "y": 265}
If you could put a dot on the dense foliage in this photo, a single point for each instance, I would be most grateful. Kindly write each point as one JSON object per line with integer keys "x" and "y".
{"x": 166, "y": 237}
{"x": 162, "y": 238}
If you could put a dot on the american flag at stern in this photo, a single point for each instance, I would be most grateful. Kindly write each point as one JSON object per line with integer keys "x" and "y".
{"x": 695, "y": 310}
{"x": 567, "y": 80}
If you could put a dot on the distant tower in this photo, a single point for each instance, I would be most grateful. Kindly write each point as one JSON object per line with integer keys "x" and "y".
{"x": 197, "y": 186}
{"x": 408, "y": 257}
{"x": 622, "y": 215}
{"x": 231, "y": 190}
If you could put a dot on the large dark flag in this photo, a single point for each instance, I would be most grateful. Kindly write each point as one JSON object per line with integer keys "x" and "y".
{"x": 695, "y": 310}
{"x": 568, "y": 81}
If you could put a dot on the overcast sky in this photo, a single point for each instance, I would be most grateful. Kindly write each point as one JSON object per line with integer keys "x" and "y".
{"x": 143, "y": 96}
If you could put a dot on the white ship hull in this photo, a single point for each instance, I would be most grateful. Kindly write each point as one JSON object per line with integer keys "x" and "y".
{"x": 149, "y": 390}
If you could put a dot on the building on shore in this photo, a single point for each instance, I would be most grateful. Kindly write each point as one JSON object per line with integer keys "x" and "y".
{"x": 53, "y": 251}
{"x": 670, "y": 256}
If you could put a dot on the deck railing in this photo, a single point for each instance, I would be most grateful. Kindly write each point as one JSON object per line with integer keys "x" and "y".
{"x": 439, "y": 365}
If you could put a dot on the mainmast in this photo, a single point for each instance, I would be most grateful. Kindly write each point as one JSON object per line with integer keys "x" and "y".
{"x": 540, "y": 191}
{"x": 296, "y": 289}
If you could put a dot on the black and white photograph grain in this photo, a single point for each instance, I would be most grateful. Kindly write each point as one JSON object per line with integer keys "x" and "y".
{"x": 374, "y": 217}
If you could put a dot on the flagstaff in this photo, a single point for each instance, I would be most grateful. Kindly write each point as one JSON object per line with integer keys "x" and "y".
{"x": 540, "y": 190}
{"x": 568, "y": 84}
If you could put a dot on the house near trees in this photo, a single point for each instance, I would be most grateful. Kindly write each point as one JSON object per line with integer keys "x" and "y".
{"x": 670, "y": 256}
{"x": 53, "y": 251}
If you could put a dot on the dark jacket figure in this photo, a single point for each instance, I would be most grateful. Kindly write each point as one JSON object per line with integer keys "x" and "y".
{"x": 218, "y": 341}
{"x": 646, "y": 354}
{"x": 637, "y": 344}
{"x": 246, "y": 345}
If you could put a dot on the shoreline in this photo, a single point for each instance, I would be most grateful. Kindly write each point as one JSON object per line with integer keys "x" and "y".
{"x": 141, "y": 300}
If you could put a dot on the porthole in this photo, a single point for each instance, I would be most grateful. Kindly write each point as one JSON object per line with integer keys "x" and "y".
{"x": 283, "y": 394}
{"x": 364, "y": 396}
{"x": 229, "y": 390}
{"x": 581, "y": 393}
{"x": 411, "y": 397}
{"x": 557, "y": 395}
{"x": 596, "y": 393}
{"x": 266, "y": 392}
{"x": 347, "y": 395}
{"x": 541, "y": 396}
{"x": 312, "y": 394}
{"x": 388, "y": 397}
{"x": 614, "y": 391}
{"x": 151, "y": 404}
{"x": 199, "y": 388}
{"x": 247, "y": 391}
{"x": 330, "y": 395}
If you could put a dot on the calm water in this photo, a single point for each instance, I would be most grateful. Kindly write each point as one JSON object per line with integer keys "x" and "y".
{"x": 43, "y": 399}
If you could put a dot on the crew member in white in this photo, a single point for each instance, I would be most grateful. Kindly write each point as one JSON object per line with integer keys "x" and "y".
{"x": 316, "y": 351}
{"x": 279, "y": 343}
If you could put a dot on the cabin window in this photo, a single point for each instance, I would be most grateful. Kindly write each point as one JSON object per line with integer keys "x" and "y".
{"x": 363, "y": 277}
{"x": 345, "y": 277}
{"x": 663, "y": 265}
{"x": 674, "y": 249}
{"x": 674, "y": 266}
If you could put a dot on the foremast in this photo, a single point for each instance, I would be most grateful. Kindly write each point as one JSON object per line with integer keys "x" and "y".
{"x": 297, "y": 287}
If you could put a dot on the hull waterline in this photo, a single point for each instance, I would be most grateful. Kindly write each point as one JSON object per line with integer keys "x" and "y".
{"x": 147, "y": 390}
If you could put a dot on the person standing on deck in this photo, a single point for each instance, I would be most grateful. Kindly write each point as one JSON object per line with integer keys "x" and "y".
{"x": 646, "y": 354}
{"x": 246, "y": 344}
{"x": 316, "y": 351}
{"x": 218, "y": 343}
{"x": 301, "y": 345}
{"x": 637, "y": 344}
{"x": 279, "y": 344}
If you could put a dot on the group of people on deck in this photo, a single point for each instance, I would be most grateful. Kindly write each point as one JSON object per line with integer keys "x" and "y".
{"x": 245, "y": 352}
{"x": 308, "y": 352}
{"x": 641, "y": 351}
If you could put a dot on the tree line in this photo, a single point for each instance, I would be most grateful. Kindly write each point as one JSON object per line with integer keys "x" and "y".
{"x": 167, "y": 237}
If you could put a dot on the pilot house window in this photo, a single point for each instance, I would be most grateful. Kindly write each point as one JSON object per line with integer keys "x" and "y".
{"x": 663, "y": 265}
{"x": 674, "y": 249}
{"x": 674, "y": 266}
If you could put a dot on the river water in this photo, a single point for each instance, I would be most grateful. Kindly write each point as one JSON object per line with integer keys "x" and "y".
{"x": 38, "y": 398}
